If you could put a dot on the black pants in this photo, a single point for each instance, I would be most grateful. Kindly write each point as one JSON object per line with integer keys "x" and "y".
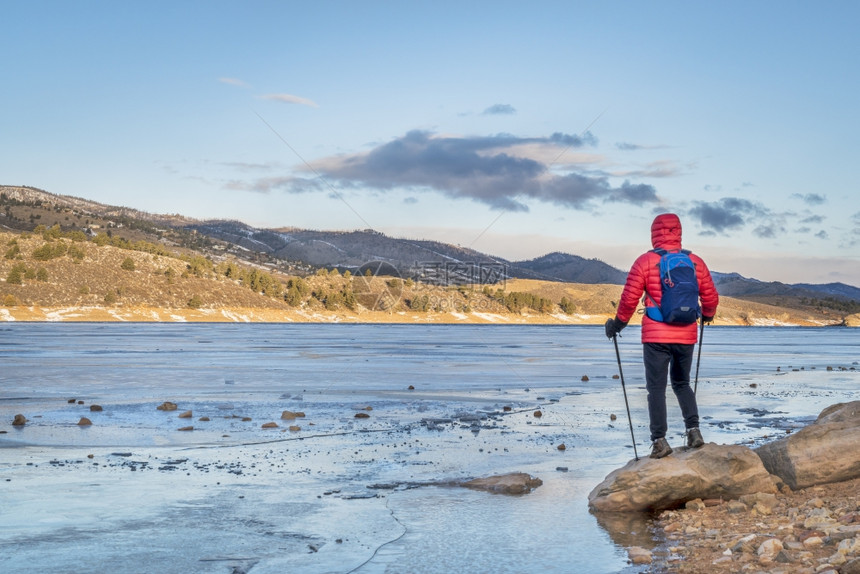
{"x": 673, "y": 360}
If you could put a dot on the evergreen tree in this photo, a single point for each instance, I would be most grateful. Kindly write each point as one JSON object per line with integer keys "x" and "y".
{"x": 16, "y": 274}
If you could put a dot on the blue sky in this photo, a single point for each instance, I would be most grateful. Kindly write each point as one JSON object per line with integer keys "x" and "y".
{"x": 514, "y": 128}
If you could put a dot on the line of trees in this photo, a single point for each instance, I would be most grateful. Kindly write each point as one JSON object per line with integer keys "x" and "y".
{"x": 844, "y": 306}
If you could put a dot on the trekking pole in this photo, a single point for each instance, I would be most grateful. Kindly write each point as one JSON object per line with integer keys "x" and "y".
{"x": 699, "y": 359}
{"x": 624, "y": 389}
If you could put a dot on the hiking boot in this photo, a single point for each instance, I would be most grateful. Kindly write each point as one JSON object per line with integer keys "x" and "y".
{"x": 694, "y": 438}
{"x": 660, "y": 448}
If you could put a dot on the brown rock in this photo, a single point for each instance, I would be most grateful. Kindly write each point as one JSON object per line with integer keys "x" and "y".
{"x": 167, "y": 406}
{"x": 584, "y": 378}
{"x": 507, "y": 409}
{"x": 84, "y": 422}
{"x": 807, "y": 534}
{"x": 639, "y": 555}
{"x": 19, "y": 421}
{"x": 295, "y": 428}
{"x": 411, "y": 387}
{"x": 538, "y": 414}
{"x": 826, "y": 451}
{"x": 80, "y": 402}
{"x": 770, "y": 547}
{"x": 72, "y": 401}
{"x": 246, "y": 419}
{"x": 561, "y": 447}
{"x": 96, "y": 408}
{"x": 851, "y": 567}
{"x": 763, "y": 503}
{"x": 289, "y": 415}
{"x": 270, "y": 425}
{"x": 745, "y": 545}
{"x": 736, "y": 507}
{"x": 203, "y": 419}
{"x": 362, "y": 416}
{"x": 186, "y": 415}
{"x": 185, "y": 428}
{"x": 513, "y": 483}
{"x": 712, "y": 471}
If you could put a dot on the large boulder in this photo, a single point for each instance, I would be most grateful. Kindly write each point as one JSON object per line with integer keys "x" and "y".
{"x": 712, "y": 471}
{"x": 826, "y": 451}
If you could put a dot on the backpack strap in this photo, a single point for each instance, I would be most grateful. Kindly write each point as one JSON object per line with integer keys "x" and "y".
{"x": 653, "y": 310}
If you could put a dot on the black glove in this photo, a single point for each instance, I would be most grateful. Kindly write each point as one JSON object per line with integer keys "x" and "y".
{"x": 706, "y": 319}
{"x": 613, "y": 327}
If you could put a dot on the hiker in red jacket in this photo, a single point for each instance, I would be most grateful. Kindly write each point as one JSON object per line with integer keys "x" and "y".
{"x": 667, "y": 349}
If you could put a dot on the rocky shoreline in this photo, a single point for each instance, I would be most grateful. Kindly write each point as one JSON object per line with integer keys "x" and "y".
{"x": 790, "y": 506}
{"x": 815, "y": 530}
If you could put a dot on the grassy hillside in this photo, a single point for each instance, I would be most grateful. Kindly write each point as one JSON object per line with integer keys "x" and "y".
{"x": 51, "y": 274}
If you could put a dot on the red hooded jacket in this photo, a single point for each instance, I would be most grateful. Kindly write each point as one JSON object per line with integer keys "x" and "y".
{"x": 644, "y": 277}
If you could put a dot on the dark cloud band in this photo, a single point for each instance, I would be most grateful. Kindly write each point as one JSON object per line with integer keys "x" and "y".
{"x": 483, "y": 169}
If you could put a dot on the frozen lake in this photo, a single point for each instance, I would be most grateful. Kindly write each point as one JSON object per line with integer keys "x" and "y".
{"x": 344, "y": 494}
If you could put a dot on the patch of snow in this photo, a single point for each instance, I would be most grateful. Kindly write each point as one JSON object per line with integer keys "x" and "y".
{"x": 491, "y": 317}
{"x": 772, "y": 323}
{"x": 332, "y": 245}
{"x": 61, "y": 314}
{"x": 235, "y": 316}
{"x": 116, "y": 315}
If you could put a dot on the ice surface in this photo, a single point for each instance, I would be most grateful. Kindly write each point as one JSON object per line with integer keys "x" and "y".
{"x": 344, "y": 494}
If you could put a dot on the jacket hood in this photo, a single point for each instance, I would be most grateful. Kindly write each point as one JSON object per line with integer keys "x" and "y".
{"x": 666, "y": 232}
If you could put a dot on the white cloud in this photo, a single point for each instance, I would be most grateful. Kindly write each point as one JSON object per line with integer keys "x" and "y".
{"x": 234, "y": 82}
{"x": 289, "y": 99}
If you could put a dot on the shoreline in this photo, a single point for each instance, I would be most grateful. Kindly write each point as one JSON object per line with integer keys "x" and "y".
{"x": 140, "y": 314}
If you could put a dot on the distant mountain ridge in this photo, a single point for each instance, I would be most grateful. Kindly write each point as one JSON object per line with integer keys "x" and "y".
{"x": 426, "y": 260}
{"x": 734, "y": 285}
{"x": 572, "y": 269}
{"x": 357, "y": 250}
{"x": 29, "y": 194}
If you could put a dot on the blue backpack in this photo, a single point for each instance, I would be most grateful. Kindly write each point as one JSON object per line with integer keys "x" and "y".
{"x": 679, "y": 302}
